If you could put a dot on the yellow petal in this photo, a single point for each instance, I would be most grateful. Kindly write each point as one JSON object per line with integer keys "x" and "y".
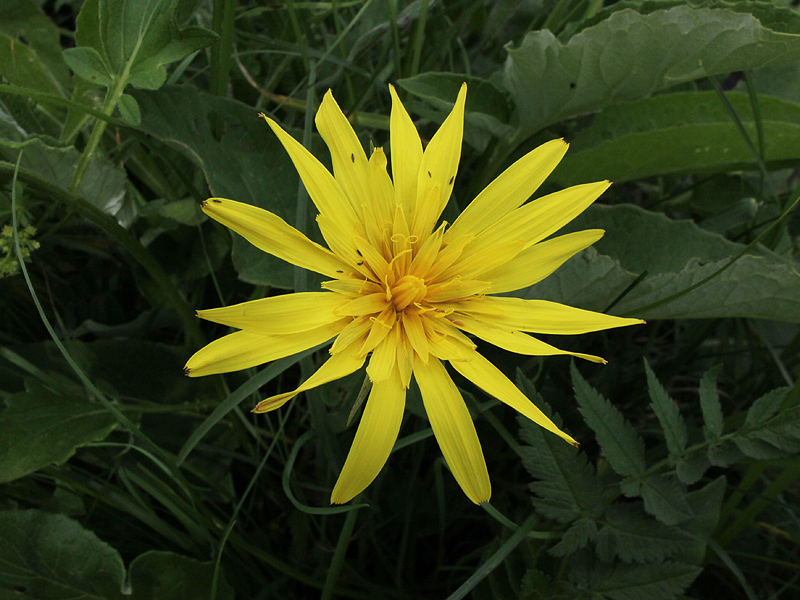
{"x": 354, "y": 332}
{"x": 542, "y": 316}
{"x": 374, "y": 439}
{"x": 537, "y": 262}
{"x": 365, "y": 305}
{"x": 286, "y": 314}
{"x": 491, "y": 380}
{"x": 325, "y": 193}
{"x": 383, "y": 362}
{"x": 381, "y": 326}
{"x": 454, "y": 430}
{"x": 273, "y": 235}
{"x": 415, "y": 333}
{"x": 473, "y": 265}
{"x": 337, "y": 366}
{"x": 406, "y": 149}
{"x": 439, "y": 166}
{"x": 455, "y": 289}
{"x": 537, "y": 220}
{"x": 511, "y": 189}
{"x": 351, "y": 287}
{"x": 243, "y": 349}
{"x": 516, "y": 341}
{"x": 347, "y": 154}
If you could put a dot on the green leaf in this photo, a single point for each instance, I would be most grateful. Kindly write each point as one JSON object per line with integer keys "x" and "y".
{"x": 136, "y": 39}
{"x": 709, "y": 403}
{"x": 24, "y": 19}
{"x": 129, "y": 110}
{"x": 668, "y": 415}
{"x": 692, "y": 467}
{"x": 20, "y": 65}
{"x": 38, "y": 429}
{"x": 488, "y": 107}
{"x": 567, "y": 488}
{"x": 576, "y": 537}
{"x": 633, "y": 536}
{"x": 160, "y": 575}
{"x": 103, "y": 186}
{"x": 48, "y": 556}
{"x": 661, "y": 581}
{"x": 765, "y": 407}
{"x": 756, "y": 286}
{"x": 247, "y": 164}
{"x": 664, "y": 498}
{"x": 630, "y": 55}
{"x": 678, "y": 133}
{"x": 766, "y": 435}
{"x": 87, "y": 62}
{"x": 622, "y": 446}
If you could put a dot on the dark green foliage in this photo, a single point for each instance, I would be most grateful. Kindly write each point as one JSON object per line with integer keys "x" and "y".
{"x": 120, "y": 478}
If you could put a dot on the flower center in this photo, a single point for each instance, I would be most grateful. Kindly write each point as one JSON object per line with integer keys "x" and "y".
{"x": 407, "y": 290}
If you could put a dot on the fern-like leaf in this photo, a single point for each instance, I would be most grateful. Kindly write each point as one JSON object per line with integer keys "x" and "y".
{"x": 566, "y": 488}
{"x": 621, "y": 445}
{"x": 668, "y": 415}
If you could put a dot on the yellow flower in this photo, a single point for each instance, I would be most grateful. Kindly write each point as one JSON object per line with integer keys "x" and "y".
{"x": 403, "y": 293}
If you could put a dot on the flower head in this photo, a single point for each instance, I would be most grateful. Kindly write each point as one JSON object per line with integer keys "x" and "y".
{"x": 404, "y": 294}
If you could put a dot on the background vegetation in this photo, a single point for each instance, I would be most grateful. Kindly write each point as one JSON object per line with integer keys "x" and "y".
{"x": 119, "y": 477}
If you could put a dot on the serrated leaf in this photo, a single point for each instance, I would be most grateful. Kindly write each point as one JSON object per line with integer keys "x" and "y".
{"x": 691, "y": 468}
{"x": 668, "y": 415}
{"x": 38, "y": 429}
{"x": 661, "y": 581}
{"x": 87, "y": 63}
{"x": 665, "y": 499}
{"x": 705, "y": 504}
{"x": 52, "y": 557}
{"x": 537, "y": 585}
{"x": 724, "y": 454}
{"x": 678, "y": 133}
{"x": 567, "y": 488}
{"x": 633, "y": 536}
{"x": 622, "y": 446}
{"x": 630, "y": 55}
{"x": 576, "y": 537}
{"x": 247, "y": 164}
{"x": 710, "y": 405}
{"x": 765, "y": 407}
{"x": 159, "y": 575}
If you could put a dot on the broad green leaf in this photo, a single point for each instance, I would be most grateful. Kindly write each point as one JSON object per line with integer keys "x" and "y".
{"x": 660, "y": 581}
{"x": 622, "y": 446}
{"x": 247, "y": 164}
{"x": 87, "y": 62}
{"x": 103, "y": 186}
{"x": 20, "y": 65}
{"x": 136, "y": 39}
{"x": 692, "y": 467}
{"x": 631, "y": 55}
{"x": 664, "y": 498}
{"x": 38, "y": 429}
{"x": 634, "y": 536}
{"x": 160, "y": 575}
{"x": 637, "y": 238}
{"x": 668, "y": 415}
{"x": 487, "y": 109}
{"x": 51, "y": 557}
{"x": 765, "y": 407}
{"x": 566, "y": 488}
{"x": 24, "y": 19}
{"x": 710, "y": 405}
{"x": 678, "y": 133}
{"x": 763, "y": 285}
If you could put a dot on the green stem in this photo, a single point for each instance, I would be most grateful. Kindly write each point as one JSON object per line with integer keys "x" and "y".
{"x": 338, "y": 555}
{"x": 113, "y": 95}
